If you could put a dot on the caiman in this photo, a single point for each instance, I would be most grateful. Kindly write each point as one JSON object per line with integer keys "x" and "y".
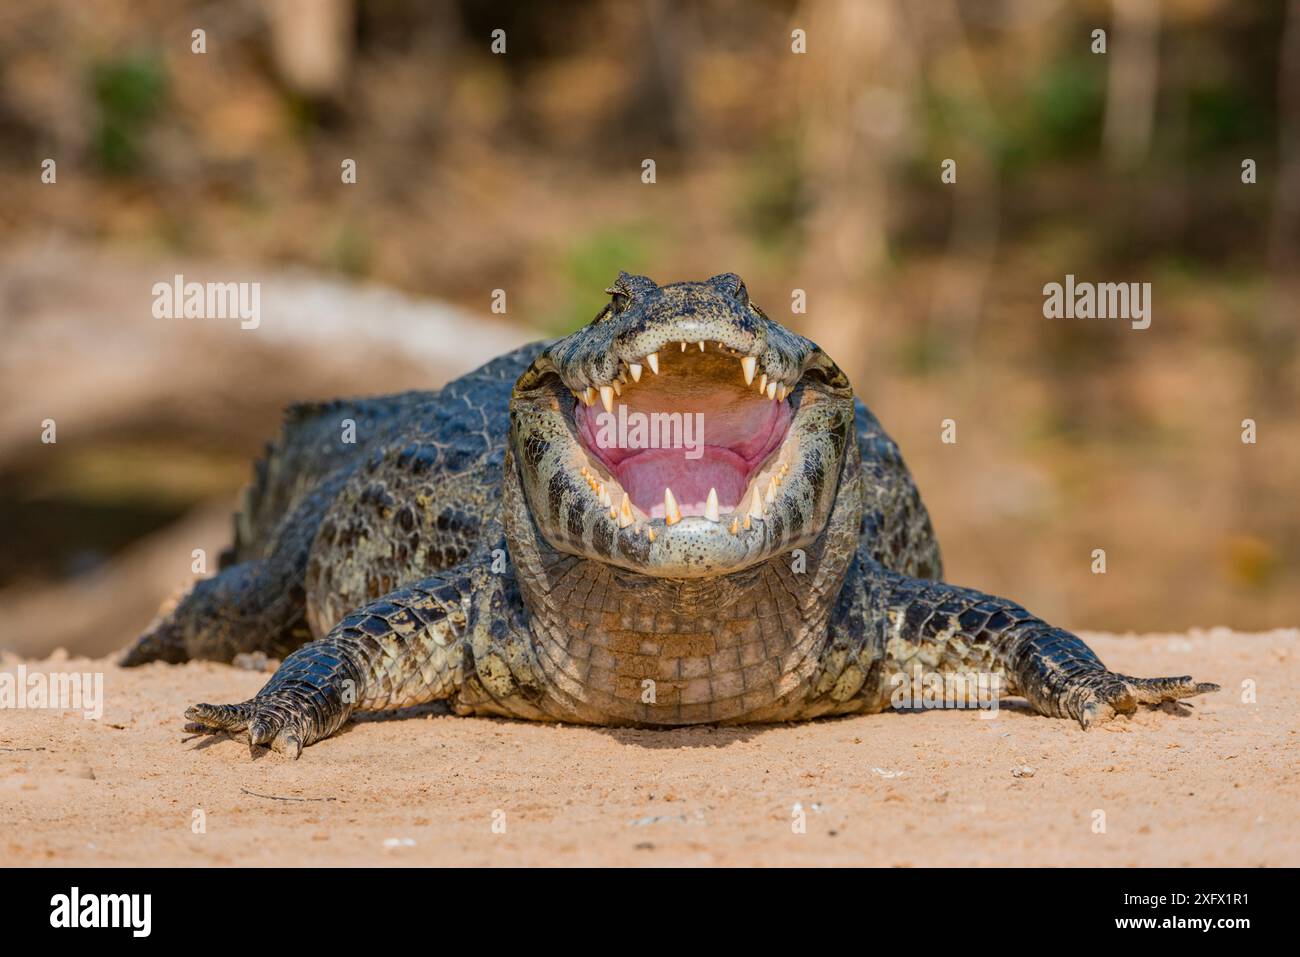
{"x": 679, "y": 514}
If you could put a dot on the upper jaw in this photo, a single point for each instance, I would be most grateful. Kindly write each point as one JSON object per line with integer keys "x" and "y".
{"x": 765, "y": 370}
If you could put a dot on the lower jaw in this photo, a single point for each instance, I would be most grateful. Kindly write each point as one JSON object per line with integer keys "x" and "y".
{"x": 693, "y": 474}
{"x": 690, "y": 476}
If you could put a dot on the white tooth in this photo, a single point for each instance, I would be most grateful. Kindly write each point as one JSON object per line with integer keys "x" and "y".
{"x": 771, "y": 490}
{"x": 635, "y": 369}
{"x": 771, "y": 390}
{"x": 762, "y": 383}
{"x": 607, "y": 397}
{"x": 701, "y": 346}
{"x": 652, "y": 360}
{"x": 625, "y": 512}
{"x": 618, "y": 389}
{"x": 604, "y": 497}
{"x": 672, "y": 514}
{"x": 622, "y": 376}
{"x": 756, "y": 505}
{"x": 588, "y": 395}
{"x": 748, "y": 365}
{"x": 735, "y": 525}
{"x": 683, "y": 347}
{"x": 781, "y": 392}
{"x": 711, "y": 506}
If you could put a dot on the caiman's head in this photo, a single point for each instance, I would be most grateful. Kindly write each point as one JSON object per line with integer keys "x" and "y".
{"x": 682, "y": 433}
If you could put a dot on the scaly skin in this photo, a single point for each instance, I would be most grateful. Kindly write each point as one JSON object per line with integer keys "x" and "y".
{"x": 454, "y": 553}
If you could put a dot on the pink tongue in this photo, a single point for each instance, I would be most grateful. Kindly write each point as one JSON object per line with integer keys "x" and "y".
{"x": 646, "y": 473}
{"x": 738, "y": 435}
{"x": 750, "y": 431}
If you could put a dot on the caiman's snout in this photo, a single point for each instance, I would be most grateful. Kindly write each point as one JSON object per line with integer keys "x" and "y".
{"x": 687, "y": 432}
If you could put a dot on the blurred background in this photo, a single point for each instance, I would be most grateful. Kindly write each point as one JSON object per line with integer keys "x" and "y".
{"x": 522, "y": 172}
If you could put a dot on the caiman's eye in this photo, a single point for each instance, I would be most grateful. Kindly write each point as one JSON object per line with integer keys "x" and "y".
{"x": 618, "y": 301}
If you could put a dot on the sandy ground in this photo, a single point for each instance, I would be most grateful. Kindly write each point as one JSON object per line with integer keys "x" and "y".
{"x": 1215, "y": 785}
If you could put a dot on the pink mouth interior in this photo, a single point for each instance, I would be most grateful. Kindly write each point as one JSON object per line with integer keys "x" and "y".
{"x": 739, "y": 429}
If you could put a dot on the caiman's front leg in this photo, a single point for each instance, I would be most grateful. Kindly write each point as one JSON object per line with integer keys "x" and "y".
{"x": 442, "y": 639}
{"x": 887, "y": 625}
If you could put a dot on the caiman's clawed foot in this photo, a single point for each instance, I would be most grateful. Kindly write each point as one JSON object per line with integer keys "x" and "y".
{"x": 271, "y": 720}
{"x": 954, "y": 629}
{"x": 1096, "y": 698}
{"x": 402, "y": 650}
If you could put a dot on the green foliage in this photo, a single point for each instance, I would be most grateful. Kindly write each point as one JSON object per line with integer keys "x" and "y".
{"x": 771, "y": 202}
{"x": 349, "y": 250}
{"x": 589, "y": 265}
{"x": 302, "y": 116}
{"x": 946, "y": 119}
{"x": 1224, "y": 115}
{"x": 1058, "y": 115}
{"x": 1065, "y": 108}
{"x": 129, "y": 92}
{"x": 925, "y": 351}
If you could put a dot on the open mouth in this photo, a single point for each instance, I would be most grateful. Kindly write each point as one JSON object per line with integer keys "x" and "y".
{"x": 692, "y": 431}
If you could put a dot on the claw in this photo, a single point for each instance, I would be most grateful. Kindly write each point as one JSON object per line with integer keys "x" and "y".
{"x": 262, "y": 730}
{"x": 1122, "y": 694}
{"x": 286, "y": 742}
{"x": 1124, "y": 703}
{"x": 222, "y": 717}
{"x": 266, "y": 728}
{"x": 1156, "y": 690}
{"x": 1089, "y": 714}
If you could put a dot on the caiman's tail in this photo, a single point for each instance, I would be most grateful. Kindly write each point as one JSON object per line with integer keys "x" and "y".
{"x": 164, "y": 639}
{"x": 241, "y": 609}
{"x": 161, "y": 641}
